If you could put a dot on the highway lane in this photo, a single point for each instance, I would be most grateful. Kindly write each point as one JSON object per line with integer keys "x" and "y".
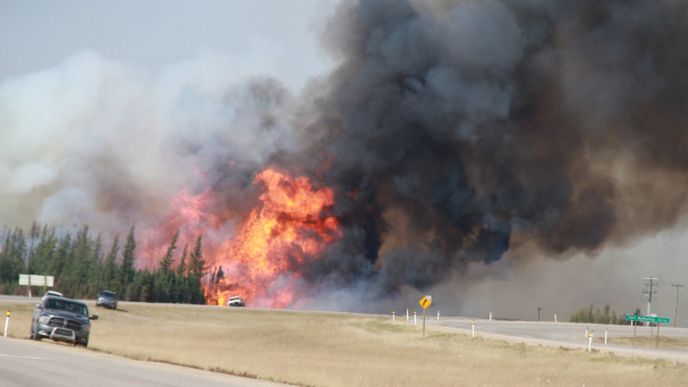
{"x": 19, "y": 299}
{"x": 29, "y": 363}
{"x": 567, "y": 334}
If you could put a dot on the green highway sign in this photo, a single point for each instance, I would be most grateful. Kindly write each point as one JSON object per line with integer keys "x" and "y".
{"x": 652, "y": 319}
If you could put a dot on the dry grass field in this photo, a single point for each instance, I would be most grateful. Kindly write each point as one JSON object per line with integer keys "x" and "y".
{"x": 331, "y": 349}
{"x": 649, "y": 342}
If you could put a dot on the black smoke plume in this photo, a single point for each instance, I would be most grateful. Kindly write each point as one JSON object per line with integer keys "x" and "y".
{"x": 453, "y": 131}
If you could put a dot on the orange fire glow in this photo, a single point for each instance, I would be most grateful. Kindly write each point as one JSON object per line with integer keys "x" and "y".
{"x": 289, "y": 228}
{"x": 189, "y": 216}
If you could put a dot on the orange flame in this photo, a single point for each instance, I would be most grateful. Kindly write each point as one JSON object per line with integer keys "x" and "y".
{"x": 189, "y": 216}
{"x": 262, "y": 262}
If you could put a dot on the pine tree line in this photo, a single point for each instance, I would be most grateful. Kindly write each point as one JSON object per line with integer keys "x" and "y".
{"x": 82, "y": 266}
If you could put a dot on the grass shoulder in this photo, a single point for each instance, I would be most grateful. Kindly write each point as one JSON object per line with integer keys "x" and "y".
{"x": 338, "y": 349}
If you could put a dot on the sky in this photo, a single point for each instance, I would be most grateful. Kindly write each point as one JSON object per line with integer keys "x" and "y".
{"x": 153, "y": 49}
{"x": 265, "y": 36}
{"x": 80, "y": 79}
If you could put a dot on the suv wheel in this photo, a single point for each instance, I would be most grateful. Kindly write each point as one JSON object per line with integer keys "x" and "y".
{"x": 34, "y": 334}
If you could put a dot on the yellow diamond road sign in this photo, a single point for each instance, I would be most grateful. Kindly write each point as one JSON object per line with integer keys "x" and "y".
{"x": 425, "y": 302}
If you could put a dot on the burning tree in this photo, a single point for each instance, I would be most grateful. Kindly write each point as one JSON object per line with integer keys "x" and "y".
{"x": 262, "y": 262}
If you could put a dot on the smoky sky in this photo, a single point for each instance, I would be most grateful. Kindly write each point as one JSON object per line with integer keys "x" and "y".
{"x": 456, "y": 130}
{"x": 261, "y": 36}
{"x": 452, "y": 132}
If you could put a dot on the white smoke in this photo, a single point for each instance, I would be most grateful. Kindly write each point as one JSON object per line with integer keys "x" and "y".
{"x": 108, "y": 144}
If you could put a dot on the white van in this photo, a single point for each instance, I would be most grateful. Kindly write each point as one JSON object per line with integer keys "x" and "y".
{"x": 235, "y": 301}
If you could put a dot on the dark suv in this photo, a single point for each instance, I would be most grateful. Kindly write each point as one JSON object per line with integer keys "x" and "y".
{"x": 107, "y": 299}
{"x": 61, "y": 319}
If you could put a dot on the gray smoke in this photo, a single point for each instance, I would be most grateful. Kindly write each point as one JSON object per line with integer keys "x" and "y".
{"x": 459, "y": 130}
{"x": 97, "y": 142}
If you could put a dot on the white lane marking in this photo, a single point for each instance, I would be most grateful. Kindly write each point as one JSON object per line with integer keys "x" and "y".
{"x": 21, "y": 356}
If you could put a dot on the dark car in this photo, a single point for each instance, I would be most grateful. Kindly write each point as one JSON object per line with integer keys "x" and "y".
{"x": 61, "y": 319}
{"x": 107, "y": 299}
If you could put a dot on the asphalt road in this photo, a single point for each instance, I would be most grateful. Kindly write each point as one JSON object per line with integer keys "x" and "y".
{"x": 567, "y": 334}
{"x": 30, "y": 363}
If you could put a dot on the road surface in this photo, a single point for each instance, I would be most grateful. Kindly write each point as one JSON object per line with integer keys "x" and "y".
{"x": 30, "y": 363}
{"x": 567, "y": 334}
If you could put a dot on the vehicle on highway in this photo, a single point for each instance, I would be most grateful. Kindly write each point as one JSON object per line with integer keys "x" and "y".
{"x": 52, "y": 293}
{"x": 235, "y": 301}
{"x": 107, "y": 298}
{"x": 61, "y": 319}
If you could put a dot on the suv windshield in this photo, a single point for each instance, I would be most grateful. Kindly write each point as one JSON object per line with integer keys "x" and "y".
{"x": 107, "y": 294}
{"x": 73, "y": 307}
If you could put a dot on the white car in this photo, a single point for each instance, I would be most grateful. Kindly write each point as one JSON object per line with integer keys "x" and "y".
{"x": 52, "y": 293}
{"x": 235, "y": 301}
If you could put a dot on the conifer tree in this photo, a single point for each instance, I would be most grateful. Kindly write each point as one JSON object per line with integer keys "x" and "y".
{"x": 128, "y": 259}
{"x": 181, "y": 269}
{"x": 77, "y": 266}
{"x": 166, "y": 262}
{"x": 95, "y": 268}
{"x": 163, "y": 281}
{"x": 61, "y": 257}
{"x": 181, "y": 281}
{"x": 110, "y": 270}
{"x": 44, "y": 253}
{"x": 196, "y": 271}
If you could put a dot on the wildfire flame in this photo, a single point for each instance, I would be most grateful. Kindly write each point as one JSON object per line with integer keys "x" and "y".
{"x": 263, "y": 259}
{"x": 288, "y": 229}
{"x": 189, "y": 215}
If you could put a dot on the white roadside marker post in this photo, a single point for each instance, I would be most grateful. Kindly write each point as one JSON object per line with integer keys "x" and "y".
{"x": 415, "y": 322}
{"x": 590, "y": 341}
{"x": 587, "y": 332}
{"x": 394, "y": 316}
{"x": 472, "y": 328}
{"x": 407, "y": 316}
{"x": 7, "y": 323}
{"x": 490, "y": 316}
{"x": 606, "y": 332}
{"x": 438, "y": 315}
{"x": 555, "y": 318}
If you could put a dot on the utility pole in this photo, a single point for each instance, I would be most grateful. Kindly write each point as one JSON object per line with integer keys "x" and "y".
{"x": 649, "y": 291}
{"x": 677, "y": 286}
